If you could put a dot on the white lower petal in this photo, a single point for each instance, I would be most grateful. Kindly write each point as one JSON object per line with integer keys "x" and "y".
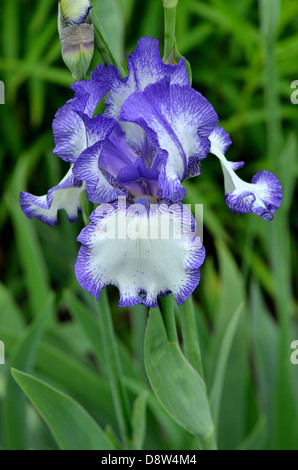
{"x": 145, "y": 254}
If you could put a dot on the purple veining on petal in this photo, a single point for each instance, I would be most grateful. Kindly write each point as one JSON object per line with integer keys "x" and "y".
{"x": 99, "y": 188}
{"x": 69, "y": 134}
{"x": 95, "y": 89}
{"x": 262, "y": 197}
{"x": 63, "y": 196}
{"x": 145, "y": 66}
{"x": 221, "y": 139}
{"x": 177, "y": 119}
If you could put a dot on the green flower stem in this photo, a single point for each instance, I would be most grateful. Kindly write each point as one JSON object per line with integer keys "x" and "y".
{"x": 102, "y": 45}
{"x": 191, "y": 345}
{"x": 170, "y": 27}
{"x": 113, "y": 367}
{"x": 168, "y": 313}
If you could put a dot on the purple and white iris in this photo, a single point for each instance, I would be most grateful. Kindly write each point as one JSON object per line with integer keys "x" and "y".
{"x": 154, "y": 133}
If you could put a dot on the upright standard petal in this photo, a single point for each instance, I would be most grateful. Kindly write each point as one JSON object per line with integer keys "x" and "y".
{"x": 145, "y": 66}
{"x": 178, "y": 120}
{"x": 63, "y": 196}
{"x": 145, "y": 252}
{"x": 69, "y": 125}
{"x": 262, "y": 196}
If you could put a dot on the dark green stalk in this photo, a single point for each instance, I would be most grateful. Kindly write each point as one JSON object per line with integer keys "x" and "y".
{"x": 170, "y": 27}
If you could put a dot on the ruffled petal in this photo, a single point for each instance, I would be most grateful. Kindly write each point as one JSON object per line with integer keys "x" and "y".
{"x": 69, "y": 133}
{"x": 100, "y": 186}
{"x": 63, "y": 196}
{"x": 145, "y": 252}
{"x": 89, "y": 93}
{"x": 144, "y": 66}
{"x": 220, "y": 139}
{"x": 262, "y": 196}
{"x": 177, "y": 119}
{"x": 69, "y": 125}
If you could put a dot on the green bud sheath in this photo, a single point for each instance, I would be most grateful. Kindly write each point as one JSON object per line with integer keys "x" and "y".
{"x": 77, "y": 42}
{"x": 170, "y": 3}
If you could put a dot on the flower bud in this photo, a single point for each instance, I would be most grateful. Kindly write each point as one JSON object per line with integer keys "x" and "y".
{"x": 76, "y": 34}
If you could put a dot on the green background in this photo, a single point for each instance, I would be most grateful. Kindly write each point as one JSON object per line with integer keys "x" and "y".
{"x": 243, "y": 55}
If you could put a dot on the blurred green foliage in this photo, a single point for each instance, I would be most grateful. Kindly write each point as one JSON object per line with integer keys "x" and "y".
{"x": 244, "y": 58}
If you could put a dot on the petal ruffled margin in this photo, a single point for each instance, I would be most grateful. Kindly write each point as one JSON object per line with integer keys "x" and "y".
{"x": 63, "y": 196}
{"x": 69, "y": 126}
{"x": 145, "y": 252}
{"x": 145, "y": 67}
{"x": 262, "y": 196}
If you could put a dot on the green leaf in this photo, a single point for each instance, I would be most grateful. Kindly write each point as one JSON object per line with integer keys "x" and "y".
{"x": 91, "y": 328}
{"x": 288, "y": 164}
{"x": 63, "y": 371}
{"x": 126, "y": 7}
{"x": 223, "y": 355}
{"x": 72, "y": 427}
{"x": 139, "y": 419}
{"x": 31, "y": 257}
{"x": 169, "y": 427}
{"x": 105, "y": 45}
{"x": 232, "y": 419}
{"x": 176, "y": 384}
{"x": 14, "y": 415}
{"x": 11, "y": 315}
{"x": 113, "y": 365}
{"x": 264, "y": 333}
{"x": 257, "y": 437}
{"x": 111, "y": 18}
{"x": 191, "y": 345}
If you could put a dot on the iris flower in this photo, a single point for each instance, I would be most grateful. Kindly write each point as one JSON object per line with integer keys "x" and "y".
{"x": 132, "y": 161}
